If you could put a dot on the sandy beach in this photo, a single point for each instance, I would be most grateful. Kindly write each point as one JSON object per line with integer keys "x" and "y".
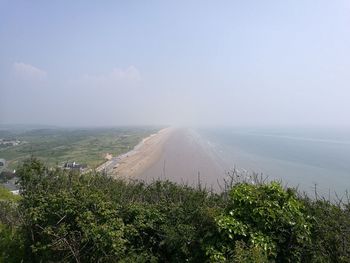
{"x": 179, "y": 155}
{"x": 185, "y": 158}
{"x": 134, "y": 162}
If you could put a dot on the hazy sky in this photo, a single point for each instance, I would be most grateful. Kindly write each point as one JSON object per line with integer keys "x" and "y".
{"x": 175, "y": 62}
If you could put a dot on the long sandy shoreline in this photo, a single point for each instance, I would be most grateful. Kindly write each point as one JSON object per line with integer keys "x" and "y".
{"x": 174, "y": 154}
{"x": 186, "y": 158}
{"x": 139, "y": 159}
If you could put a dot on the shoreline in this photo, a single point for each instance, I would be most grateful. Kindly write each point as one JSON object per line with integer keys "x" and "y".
{"x": 176, "y": 154}
{"x": 186, "y": 159}
{"x": 136, "y": 161}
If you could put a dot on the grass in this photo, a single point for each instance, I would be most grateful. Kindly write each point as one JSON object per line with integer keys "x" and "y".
{"x": 7, "y": 195}
{"x": 54, "y": 146}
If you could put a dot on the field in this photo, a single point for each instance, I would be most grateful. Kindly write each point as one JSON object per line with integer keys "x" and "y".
{"x": 55, "y": 145}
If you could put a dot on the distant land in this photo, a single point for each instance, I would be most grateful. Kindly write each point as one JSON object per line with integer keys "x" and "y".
{"x": 56, "y": 145}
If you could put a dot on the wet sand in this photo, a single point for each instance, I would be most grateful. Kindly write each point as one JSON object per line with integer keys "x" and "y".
{"x": 185, "y": 158}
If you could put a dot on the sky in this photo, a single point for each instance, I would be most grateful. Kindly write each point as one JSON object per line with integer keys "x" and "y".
{"x": 112, "y": 63}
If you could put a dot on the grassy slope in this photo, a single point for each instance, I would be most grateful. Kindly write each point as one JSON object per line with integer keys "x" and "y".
{"x": 7, "y": 195}
{"x": 88, "y": 146}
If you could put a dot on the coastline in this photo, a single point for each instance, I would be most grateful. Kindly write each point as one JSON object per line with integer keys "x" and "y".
{"x": 176, "y": 154}
{"x": 186, "y": 159}
{"x": 133, "y": 163}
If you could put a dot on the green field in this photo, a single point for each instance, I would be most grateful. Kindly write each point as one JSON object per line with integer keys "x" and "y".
{"x": 55, "y": 146}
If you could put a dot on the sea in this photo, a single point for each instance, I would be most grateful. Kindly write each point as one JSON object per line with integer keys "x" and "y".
{"x": 308, "y": 159}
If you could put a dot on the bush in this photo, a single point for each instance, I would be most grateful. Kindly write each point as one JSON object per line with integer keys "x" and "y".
{"x": 330, "y": 231}
{"x": 266, "y": 218}
{"x": 72, "y": 217}
{"x": 65, "y": 219}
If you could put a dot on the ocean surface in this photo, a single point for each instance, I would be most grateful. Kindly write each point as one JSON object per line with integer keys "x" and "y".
{"x": 300, "y": 158}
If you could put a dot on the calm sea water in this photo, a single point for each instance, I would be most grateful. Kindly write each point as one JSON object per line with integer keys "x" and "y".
{"x": 302, "y": 158}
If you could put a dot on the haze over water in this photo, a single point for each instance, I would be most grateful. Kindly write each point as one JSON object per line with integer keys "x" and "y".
{"x": 298, "y": 157}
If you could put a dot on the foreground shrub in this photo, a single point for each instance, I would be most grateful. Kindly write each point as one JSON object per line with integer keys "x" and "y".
{"x": 65, "y": 217}
{"x": 330, "y": 231}
{"x": 266, "y": 218}
{"x": 12, "y": 243}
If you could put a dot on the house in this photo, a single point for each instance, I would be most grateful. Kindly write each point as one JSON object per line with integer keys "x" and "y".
{"x": 6, "y": 176}
{"x": 15, "y": 192}
{"x": 9, "y": 142}
{"x": 9, "y": 180}
{"x": 74, "y": 166}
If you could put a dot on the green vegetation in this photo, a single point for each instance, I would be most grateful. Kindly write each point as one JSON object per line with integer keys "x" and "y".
{"x": 54, "y": 146}
{"x": 71, "y": 217}
{"x": 267, "y": 219}
{"x": 7, "y": 195}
